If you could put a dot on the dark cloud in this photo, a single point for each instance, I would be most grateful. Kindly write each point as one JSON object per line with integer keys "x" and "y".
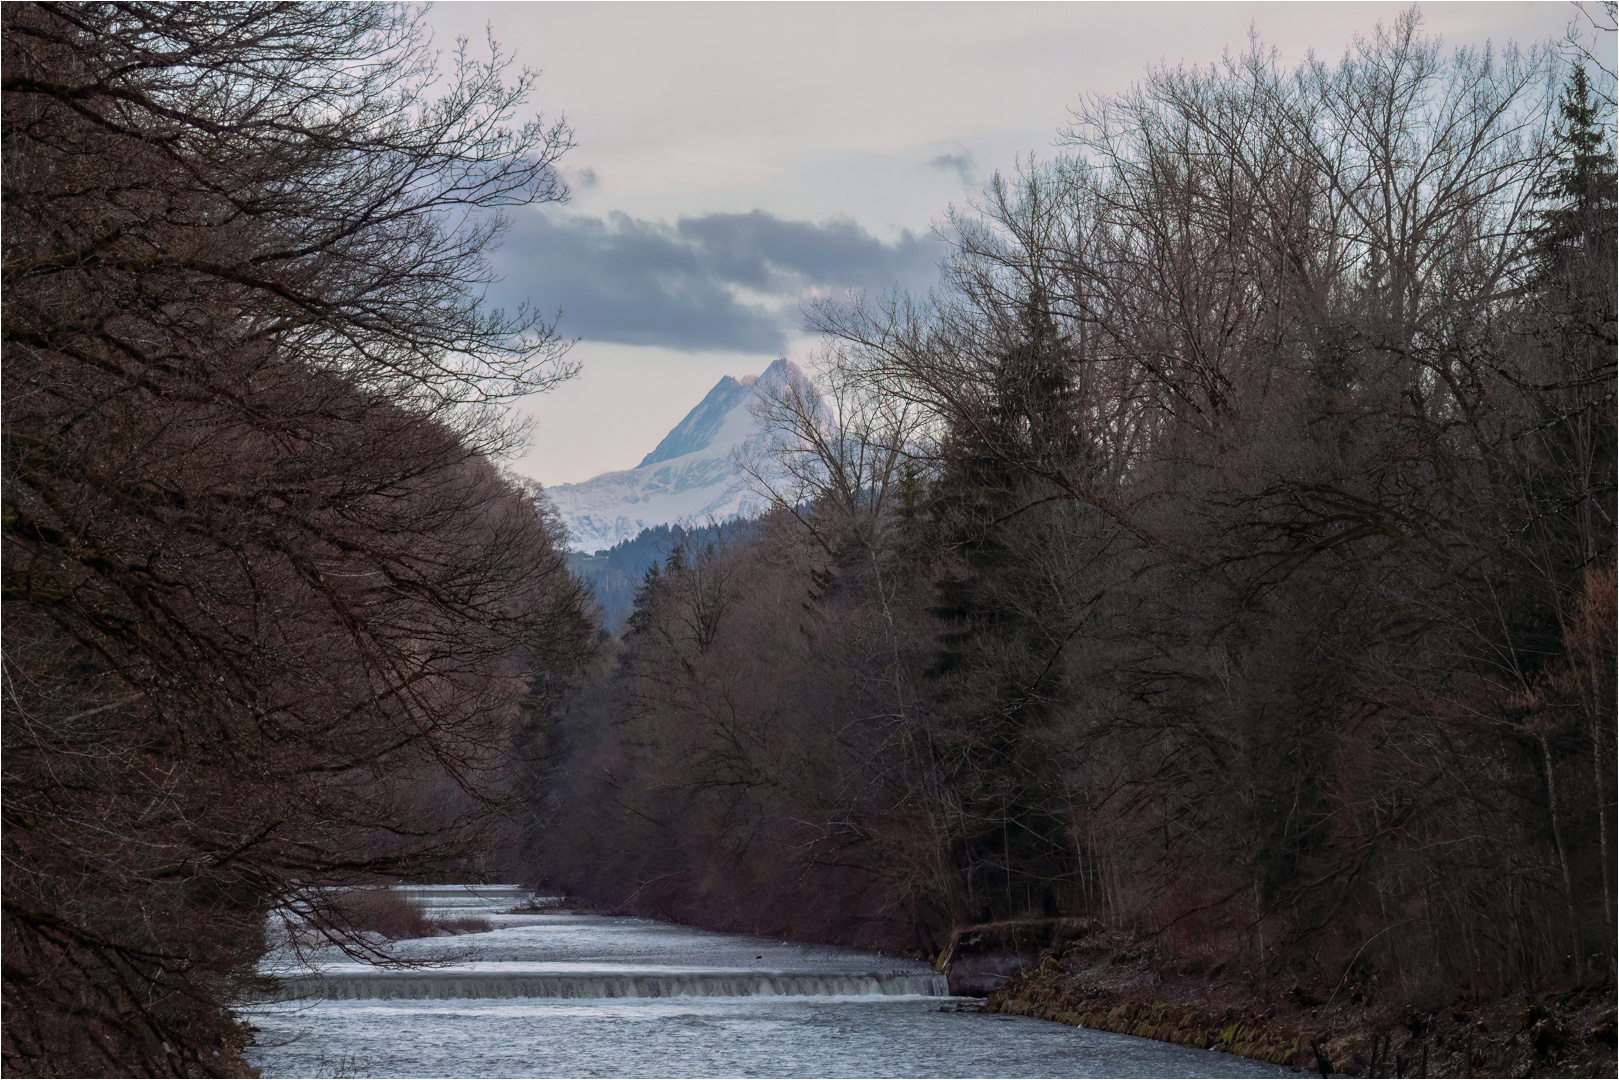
{"x": 650, "y": 283}
{"x": 962, "y": 164}
{"x": 758, "y": 249}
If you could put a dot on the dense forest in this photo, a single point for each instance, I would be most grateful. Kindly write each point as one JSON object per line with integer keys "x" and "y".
{"x": 1223, "y": 551}
{"x": 616, "y": 574}
{"x": 274, "y": 623}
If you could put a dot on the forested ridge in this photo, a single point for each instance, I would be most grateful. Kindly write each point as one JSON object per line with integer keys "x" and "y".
{"x": 616, "y": 573}
{"x": 1223, "y": 553}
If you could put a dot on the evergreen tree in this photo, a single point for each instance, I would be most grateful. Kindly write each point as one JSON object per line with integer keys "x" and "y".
{"x": 1001, "y": 627}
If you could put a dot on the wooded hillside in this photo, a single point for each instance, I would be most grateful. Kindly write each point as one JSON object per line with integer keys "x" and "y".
{"x": 273, "y": 623}
{"x": 1223, "y": 552}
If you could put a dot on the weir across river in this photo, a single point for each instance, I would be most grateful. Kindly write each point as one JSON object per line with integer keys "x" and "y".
{"x": 561, "y": 954}
{"x": 360, "y": 982}
{"x": 556, "y": 993}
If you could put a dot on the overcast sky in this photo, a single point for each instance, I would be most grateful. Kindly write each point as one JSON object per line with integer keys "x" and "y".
{"x": 735, "y": 160}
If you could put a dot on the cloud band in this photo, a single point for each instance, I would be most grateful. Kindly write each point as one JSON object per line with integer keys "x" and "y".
{"x": 716, "y": 281}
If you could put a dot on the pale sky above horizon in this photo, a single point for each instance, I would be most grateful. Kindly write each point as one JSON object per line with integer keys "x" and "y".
{"x": 734, "y": 160}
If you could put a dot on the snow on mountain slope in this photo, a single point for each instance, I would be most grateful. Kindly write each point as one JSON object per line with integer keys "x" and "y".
{"x": 688, "y": 477}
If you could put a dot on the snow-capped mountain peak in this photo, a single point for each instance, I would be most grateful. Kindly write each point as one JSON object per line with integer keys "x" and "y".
{"x": 688, "y": 477}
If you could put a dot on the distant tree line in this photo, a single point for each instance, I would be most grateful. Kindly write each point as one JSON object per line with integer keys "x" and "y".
{"x": 273, "y": 622}
{"x": 1224, "y": 551}
{"x": 615, "y": 574}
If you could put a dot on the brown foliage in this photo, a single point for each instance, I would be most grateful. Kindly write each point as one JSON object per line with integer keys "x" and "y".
{"x": 383, "y": 911}
{"x": 394, "y": 915}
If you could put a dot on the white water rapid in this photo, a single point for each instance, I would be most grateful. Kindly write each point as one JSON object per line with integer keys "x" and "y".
{"x": 557, "y": 993}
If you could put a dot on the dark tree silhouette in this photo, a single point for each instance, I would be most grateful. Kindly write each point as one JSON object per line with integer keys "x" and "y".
{"x": 1229, "y": 560}
{"x": 272, "y": 619}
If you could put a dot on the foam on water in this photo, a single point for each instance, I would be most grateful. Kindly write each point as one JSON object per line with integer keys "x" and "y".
{"x": 476, "y": 983}
{"x": 566, "y": 994}
{"x": 535, "y": 954}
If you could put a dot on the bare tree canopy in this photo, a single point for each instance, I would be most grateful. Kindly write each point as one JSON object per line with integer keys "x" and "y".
{"x": 273, "y": 622}
{"x": 1223, "y": 554}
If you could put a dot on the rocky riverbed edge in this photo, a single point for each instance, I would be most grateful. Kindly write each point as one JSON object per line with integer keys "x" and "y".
{"x": 1111, "y": 981}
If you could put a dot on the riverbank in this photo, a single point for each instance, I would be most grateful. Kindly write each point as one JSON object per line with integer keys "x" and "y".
{"x": 1110, "y": 981}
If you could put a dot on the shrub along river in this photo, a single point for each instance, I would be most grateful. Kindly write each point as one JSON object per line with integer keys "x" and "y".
{"x": 558, "y": 993}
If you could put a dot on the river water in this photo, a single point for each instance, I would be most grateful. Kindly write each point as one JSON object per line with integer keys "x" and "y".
{"x": 564, "y": 994}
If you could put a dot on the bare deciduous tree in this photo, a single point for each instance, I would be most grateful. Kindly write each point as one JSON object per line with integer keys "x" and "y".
{"x": 1256, "y": 503}
{"x": 264, "y": 593}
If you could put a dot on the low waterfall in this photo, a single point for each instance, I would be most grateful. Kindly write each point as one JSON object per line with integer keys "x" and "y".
{"x": 548, "y": 991}
{"x": 421, "y": 984}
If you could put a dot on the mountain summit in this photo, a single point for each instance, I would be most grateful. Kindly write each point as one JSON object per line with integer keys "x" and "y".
{"x": 688, "y": 477}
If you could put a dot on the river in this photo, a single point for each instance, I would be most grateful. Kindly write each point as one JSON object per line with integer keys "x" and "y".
{"x": 568, "y": 994}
